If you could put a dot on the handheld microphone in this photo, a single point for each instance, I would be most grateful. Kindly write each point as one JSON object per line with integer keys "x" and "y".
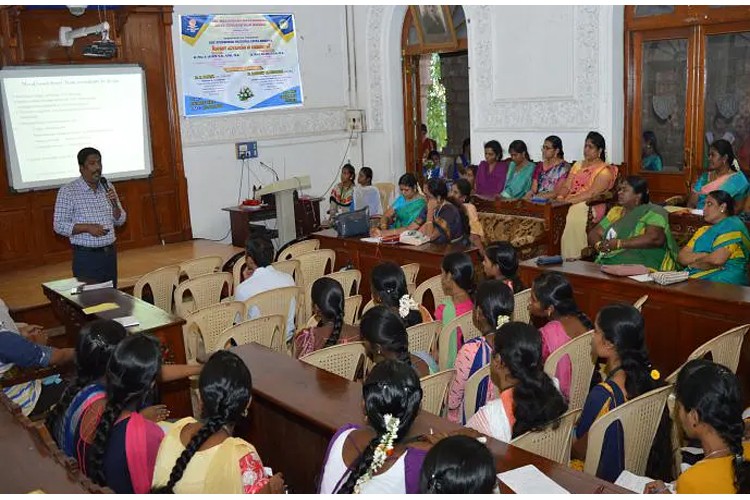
{"x": 105, "y": 185}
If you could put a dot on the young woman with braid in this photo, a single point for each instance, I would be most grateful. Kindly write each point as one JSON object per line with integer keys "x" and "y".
{"x": 529, "y": 399}
{"x": 493, "y": 307}
{"x": 202, "y": 456}
{"x": 379, "y": 458}
{"x": 709, "y": 409}
{"x": 456, "y": 465}
{"x": 328, "y": 308}
{"x": 552, "y": 299}
{"x": 388, "y": 288}
{"x": 501, "y": 263}
{"x": 619, "y": 340}
{"x": 457, "y": 280}
{"x": 385, "y": 338}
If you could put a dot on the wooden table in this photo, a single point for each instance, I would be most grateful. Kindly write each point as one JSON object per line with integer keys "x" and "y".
{"x": 297, "y": 409}
{"x": 679, "y": 317}
{"x": 306, "y": 218}
{"x": 68, "y": 308}
{"x": 364, "y": 256}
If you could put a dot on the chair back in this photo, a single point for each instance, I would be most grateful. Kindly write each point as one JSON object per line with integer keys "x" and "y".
{"x": 521, "y": 306}
{"x": 351, "y": 309}
{"x": 638, "y": 304}
{"x": 370, "y": 304}
{"x": 313, "y": 264}
{"x": 579, "y": 352}
{"x": 468, "y": 330}
{"x": 434, "y": 390}
{"x": 343, "y": 360}
{"x": 386, "y": 190}
{"x": 277, "y": 301}
{"x": 411, "y": 271}
{"x": 349, "y": 279}
{"x": 162, "y": 283}
{"x": 640, "y": 418}
{"x": 296, "y": 249}
{"x": 434, "y": 286}
{"x": 725, "y": 350}
{"x": 471, "y": 388}
{"x": 421, "y": 337}
{"x": 206, "y": 325}
{"x": 291, "y": 267}
{"x": 237, "y": 269}
{"x": 553, "y": 443}
{"x": 202, "y": 265}
{"x": 204, "y": 290}
{"x": 267, "y": 331}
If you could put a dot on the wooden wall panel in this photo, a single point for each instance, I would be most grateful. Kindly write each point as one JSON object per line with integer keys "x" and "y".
{"x": 28, "y": 36}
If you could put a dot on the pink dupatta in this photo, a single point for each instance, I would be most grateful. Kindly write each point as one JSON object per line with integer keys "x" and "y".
{"x": 554, "y": 336}
{"x": 142, "y": 440}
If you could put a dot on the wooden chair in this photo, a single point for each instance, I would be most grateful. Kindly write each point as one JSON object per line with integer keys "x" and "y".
{"x": 205, "y": 327}
{"x": 343, "y": 360}
{"x": 579, "y": 352}
{"x": 640, "y": 418}
{"x": 434, "y": 286}
{"x": 725, "y": 350}
{"x": 552, "y": 443}
{"x": 434, "y": 390}
{"x": 421, "y": 337}
{"x": 349, "y": 279}
{"x": 470, "y": 390}
{"x": 638, "y": 304}
{"x": 296, "y": 249}
{"x": 161, "y": 283}
{"x": 468, "y": 330}
{"x": 521, "y": 306}
{"x": 291, "y": 267}
{"x": 267, "y": 331}
{"x": 202, "y": 265}
{"x": 387, "y": 191}
{"x": 351, "y": 309}
{"x": 410, "y": 272}
{"x": 203, "y": 290}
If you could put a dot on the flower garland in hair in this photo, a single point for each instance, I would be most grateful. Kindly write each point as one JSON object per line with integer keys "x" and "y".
{"x": 406, "y": 304}
{"x": 735, "y": 165}
{"x": 382, "y": 451}
{"x": 502, "y": 319}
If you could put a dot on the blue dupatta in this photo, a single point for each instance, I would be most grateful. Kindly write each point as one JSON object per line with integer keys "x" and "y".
{"x": 481, "y": 359}
{"x": 68, "y": 429}
{"x": 730, "y": 231}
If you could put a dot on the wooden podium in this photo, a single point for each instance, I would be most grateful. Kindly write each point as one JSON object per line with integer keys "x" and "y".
{"x": 283, "y": 192}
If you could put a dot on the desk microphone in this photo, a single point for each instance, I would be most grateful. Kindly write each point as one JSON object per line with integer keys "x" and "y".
{"x": 271, "y": 169}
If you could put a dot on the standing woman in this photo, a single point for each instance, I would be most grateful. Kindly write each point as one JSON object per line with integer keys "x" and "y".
{"x": 520, "y": 171}
{"x": 342, "y": 195}
{"x": 550, "y": 173}
{"x": 723, "y": 174}
{"x": 491, "y": 173}
{"x": 501, "y": 263}
{"x": 408, "y": 211}
{"x": 457, "y": 280}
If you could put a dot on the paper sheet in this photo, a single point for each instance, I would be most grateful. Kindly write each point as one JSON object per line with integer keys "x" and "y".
{"x": 104, "y": 306}
{"x": 697, "y": 211}
{"x": 127, "y": 321}
{"x": 371, "y": 239}
{"x": 530, "y": 480}
{"x": 641, "y": 278}
{"x": 635, "y": 483}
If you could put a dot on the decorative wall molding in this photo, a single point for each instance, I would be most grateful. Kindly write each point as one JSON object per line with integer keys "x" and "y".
{"x": 376, "y": 34}
{"x": 580, "y": 112}
{"x": 296, "y": 123}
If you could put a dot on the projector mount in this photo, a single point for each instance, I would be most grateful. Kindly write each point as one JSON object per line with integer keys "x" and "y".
{"x": 105, "y": 48}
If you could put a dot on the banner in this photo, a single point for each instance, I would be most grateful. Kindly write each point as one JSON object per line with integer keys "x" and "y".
{"x": 235, "y": 63}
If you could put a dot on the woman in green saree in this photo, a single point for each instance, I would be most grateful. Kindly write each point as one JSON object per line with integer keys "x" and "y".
{"x": 719, "y": 251}
{"x": 636, "y": 231}
{"x": 408, "y": 211}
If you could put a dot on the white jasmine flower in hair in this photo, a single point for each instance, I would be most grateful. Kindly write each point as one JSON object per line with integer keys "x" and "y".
{"x": 406, "y": 304}
{"x": 502, "y": 319}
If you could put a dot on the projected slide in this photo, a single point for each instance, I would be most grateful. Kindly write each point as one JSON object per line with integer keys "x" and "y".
{"x": 51, "y": 112}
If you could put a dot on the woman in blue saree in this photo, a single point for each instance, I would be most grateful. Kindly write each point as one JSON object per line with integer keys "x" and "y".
{"x": 723, "y": 174}
{"x": 719, "y": 251}
{"x": 408, "y": 211}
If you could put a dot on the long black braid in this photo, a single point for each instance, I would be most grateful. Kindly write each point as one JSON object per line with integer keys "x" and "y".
{"x": 328, "y": 295}
{"x": 552, "y": 289}
{"x": 383, "y": 328}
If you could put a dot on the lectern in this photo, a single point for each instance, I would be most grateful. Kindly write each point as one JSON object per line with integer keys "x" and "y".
{"x": 283, "y": 192}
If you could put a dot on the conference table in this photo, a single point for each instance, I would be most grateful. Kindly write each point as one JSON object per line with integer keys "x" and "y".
{"x": 364, "y": 256}
{"x": 297, "y": 408}
{"x": 679, "y": 318}
{"x": 167, "y": 328}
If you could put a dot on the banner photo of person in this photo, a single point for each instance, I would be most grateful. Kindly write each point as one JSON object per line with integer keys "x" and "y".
{"x": 235, "y": 63}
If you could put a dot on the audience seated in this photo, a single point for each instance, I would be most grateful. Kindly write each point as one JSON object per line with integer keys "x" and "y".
{"x": 550, "y": 173}
{"x": 385, "y": 337}
{"x": 636, "y": 231}
{"x": 432, "y": 168}
{"x": 408, "y": 211}
{"x": 709, "y": 409}
{"x": 501, "y": 263}
{"x": 449, "y": 223}
{"x": 342, "y": 195}
{"x": 619, "y": 340}
{"x": 202, "y": 456}
{"x": 529, "y": 399}
{"x": 493, "y": 307}
{"x": 723, "y": 174}
{"x": 379, "y": 458}
{"x": 651, "y": 160}
{"x": 587, "y": 180}
{"x": 458, "y": 465}
{"x": 367, "y": 195}
{"x": 470, "y": 174}
{"x": 388, "y": 288}
{"x": 462, "y": 161}
{"x": 552, "y": 300}
{"x": 461, "y": 193}
{"x": 719, "y": 251}
{"x": 492, "y": 172}
{"x": 458, "y": 284}
{"x": 327, "y": 297}
{"x": 520, "y": 171}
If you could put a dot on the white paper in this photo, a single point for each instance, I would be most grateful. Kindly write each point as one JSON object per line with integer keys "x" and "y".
{"x": 697, "y": 211}
{"x": 642, "y": 278}
{"x": 97, "y": 286}
{"x": 530, "y": 480}
{"x": 635, "y": 483}
{"x": 371, "y": 239}
{"x": 127, "y": 321}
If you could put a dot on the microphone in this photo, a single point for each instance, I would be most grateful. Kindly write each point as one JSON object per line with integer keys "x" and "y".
{"x": 105, "y": 185}
{"x": 271, "y": 169}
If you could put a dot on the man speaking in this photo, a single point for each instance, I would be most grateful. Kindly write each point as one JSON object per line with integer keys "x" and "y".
{"x": 87, "y": 211}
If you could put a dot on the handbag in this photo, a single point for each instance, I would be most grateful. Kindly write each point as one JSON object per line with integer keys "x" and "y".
{"x": 354, "y": 223}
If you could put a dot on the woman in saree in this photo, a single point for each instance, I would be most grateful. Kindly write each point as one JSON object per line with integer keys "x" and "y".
{"x": 550, "y": 173}
{"x": 587, "y": 180}
{"x": 636, "y": 231}
{"x": 408, "y": 211}
{"x": 202, "y": 456}
{"x": 461, "y": 193}
{"x": 342, "y": 196}
{"x": 447, "y": 221}
{"x": 723, "y": 174}
{"x": 520, "y": 171}
{"x": 719, "y": 251}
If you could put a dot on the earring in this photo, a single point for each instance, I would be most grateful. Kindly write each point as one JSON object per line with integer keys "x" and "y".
{"x": 244, "y": 413}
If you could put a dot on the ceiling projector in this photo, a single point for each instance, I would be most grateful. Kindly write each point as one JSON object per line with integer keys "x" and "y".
{"x": 105, "y": 48}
